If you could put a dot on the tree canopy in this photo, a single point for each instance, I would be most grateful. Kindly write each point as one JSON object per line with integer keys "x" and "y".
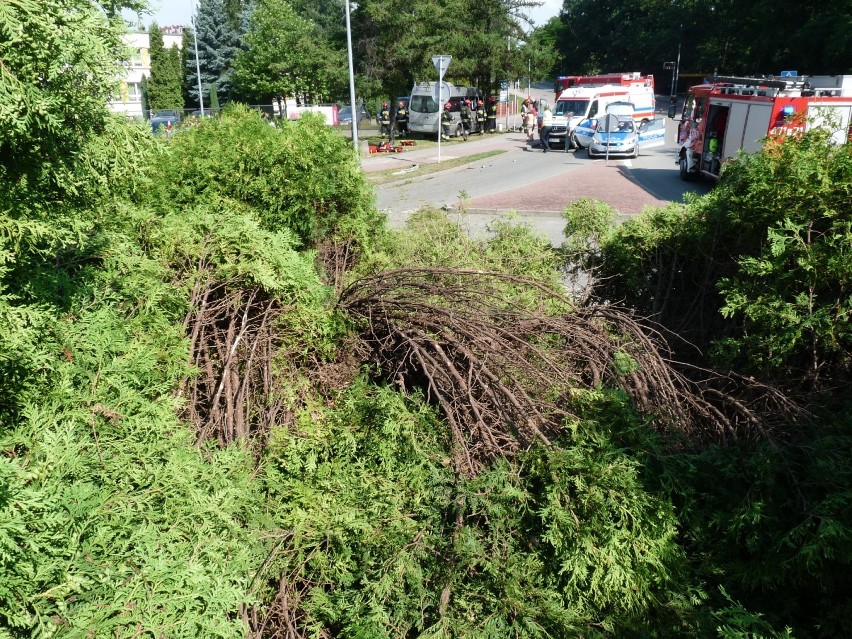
{"x": 218, "y": 41}
{"x": 287, "y": 56}
{"x": 733, "y": 38}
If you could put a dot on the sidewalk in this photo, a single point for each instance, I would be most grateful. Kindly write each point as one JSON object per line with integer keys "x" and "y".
{"x": 428, "y": 154}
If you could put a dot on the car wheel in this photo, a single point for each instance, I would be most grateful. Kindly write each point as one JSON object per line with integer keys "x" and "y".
{"x": 590, "y": 154}
{"x": 575, "y": 142}
{"x": 635, "y": 152}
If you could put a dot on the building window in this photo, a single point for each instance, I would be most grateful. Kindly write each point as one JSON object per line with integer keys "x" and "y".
{"x": 136, "y": 58}
{"x": 134, "y": 92}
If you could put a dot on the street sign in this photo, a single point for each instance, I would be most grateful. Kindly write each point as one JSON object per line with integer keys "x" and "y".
{"x": 443, "y": 96}
{"x": 789, "y": 74}
{"x": 441, "y": 63}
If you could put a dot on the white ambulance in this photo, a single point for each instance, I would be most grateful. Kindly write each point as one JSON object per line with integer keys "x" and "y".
{"x": 586, "y": 99}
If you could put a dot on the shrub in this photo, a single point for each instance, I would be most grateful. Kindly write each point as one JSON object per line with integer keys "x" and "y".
{"x": 300, "y": 175}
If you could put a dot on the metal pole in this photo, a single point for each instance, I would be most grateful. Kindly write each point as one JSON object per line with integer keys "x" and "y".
{"x": 352, "y": 82}
{"x": 440, "y": 106}
{"x": 676, "y": 70}
{"x": 197, "y": 62}
{"x": 529, "y": 77}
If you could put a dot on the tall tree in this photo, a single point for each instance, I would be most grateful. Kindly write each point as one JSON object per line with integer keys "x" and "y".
{"x": 274, "y": 64}
{"x": 217, "y": 46}
{"x": 397, "y": 39}
{"x": 165, "y": 83}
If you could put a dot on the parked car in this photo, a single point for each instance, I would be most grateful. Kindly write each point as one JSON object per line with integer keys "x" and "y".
{"x": 344, "y": 115}
{"x": 164, "y": 118}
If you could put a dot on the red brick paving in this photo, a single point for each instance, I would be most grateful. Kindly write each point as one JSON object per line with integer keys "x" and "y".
{"x": 611, "y": 184}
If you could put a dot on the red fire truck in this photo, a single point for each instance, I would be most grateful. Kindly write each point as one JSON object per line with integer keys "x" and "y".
{"x": 732, "y": 114}
{"x": 632, "y": 79}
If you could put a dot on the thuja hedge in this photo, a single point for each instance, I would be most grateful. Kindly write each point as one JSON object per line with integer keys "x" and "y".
{"x": 758, "y": 271}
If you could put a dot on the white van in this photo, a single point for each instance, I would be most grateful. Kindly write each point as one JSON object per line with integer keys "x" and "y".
{"x": 424, "y": 114}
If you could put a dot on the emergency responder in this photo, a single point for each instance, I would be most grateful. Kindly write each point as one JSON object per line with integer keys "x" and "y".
{"x": 402, "y": 119}
{"x": 446, "y": 121}
{"x": 464, "y": 116}
{"x": 492, "y": 115}
{"x": 481, "y": 116}
{"x": 384, "y": 118}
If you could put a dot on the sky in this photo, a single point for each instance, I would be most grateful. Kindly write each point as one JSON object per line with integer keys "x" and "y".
{"x": 169, "y": 12}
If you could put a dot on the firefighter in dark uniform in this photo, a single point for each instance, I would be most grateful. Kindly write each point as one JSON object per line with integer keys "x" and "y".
{"x": 384, "y": 118}
{"x": 464, "y": 116}
{"x": 492, "y": 115}
{"x": 481, "y": 116}
{"x": 402, "y": 119}
{"x": 446, "y": 121}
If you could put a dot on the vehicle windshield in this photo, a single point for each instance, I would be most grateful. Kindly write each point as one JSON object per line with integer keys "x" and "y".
{"x": 423, "y": 104}
{"x": 571, "y": 107}
{"x": 624, "y": 126}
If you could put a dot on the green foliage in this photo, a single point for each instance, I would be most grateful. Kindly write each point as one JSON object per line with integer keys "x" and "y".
{"x": 767, "y": 249}
{"x": 793, "y": 292}
{"x": 300, "y": 177}
{"x": 164, "y": 85}
{"x": 274, "y": 63}
{"x": 735, "y": 38}
{"x": 218, "y": 42}
{"x": 60, "y": 66}
{"x": 772, "y": 525}
{"x": 400, "y": 36}
{"x": 431, "y": 239}
{"x": 383, "y": 539}
{"x": 109, "y": 517}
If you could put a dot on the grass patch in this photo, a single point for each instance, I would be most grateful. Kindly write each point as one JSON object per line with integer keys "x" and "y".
{"x": 384, "y": 177}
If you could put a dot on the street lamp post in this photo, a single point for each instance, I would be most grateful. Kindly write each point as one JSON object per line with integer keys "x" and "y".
{"x": 197, "y": 61}
{"x": 352, "y": 82}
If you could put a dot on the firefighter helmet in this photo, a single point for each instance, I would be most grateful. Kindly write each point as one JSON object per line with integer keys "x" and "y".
{"x": 448, "y": 106}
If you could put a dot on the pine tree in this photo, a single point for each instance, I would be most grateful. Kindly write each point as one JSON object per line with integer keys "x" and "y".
{"x": 217, "y": 46}
{"x": 164, "y": 85}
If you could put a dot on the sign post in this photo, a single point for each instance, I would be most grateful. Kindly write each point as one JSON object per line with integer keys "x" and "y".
{"x": 610, "y": 126}
{"x": 441, "y": 63}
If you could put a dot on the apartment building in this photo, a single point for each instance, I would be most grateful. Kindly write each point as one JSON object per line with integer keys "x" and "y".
{"x": 129, "y": 98}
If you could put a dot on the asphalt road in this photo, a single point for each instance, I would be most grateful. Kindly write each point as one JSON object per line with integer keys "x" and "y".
{"x": 527, "y": 183}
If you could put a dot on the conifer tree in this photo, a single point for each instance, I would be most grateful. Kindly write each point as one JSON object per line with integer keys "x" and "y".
{"x": 217, "y": 46}
{"x": 164, "y": 85}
